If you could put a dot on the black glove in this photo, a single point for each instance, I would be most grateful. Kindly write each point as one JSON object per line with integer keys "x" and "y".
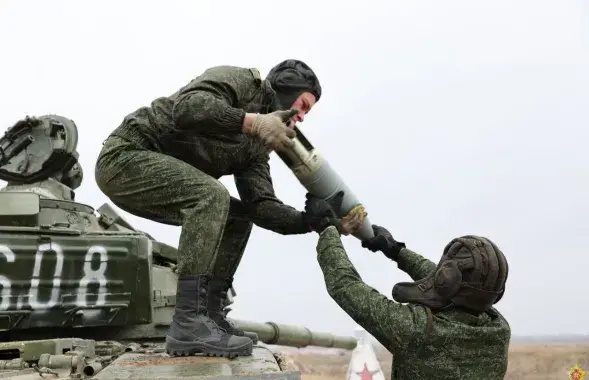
{"x": 320, "y": 214}
{"x": 383, "y": 241}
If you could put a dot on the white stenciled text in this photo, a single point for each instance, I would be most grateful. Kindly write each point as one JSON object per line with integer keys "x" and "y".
{"x": 87, "y": 277}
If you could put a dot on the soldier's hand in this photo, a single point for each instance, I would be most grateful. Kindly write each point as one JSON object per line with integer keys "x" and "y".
{"x": 384, "y": 242}
{"x": 272, "y": 129}
{"x": 352, "y": 221}
{"x": 319, "y": 213}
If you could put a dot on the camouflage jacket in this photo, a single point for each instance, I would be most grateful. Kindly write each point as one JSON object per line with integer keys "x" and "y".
{"x": 456, "y": 345}
{"x": 201, "y": 124}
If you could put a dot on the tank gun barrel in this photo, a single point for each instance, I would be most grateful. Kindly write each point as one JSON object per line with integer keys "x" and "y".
{"x": 295, "y": 336}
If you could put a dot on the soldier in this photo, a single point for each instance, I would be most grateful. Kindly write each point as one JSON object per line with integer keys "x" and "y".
{"x": 443, "y": 325}
{"x": 164, "y": 161}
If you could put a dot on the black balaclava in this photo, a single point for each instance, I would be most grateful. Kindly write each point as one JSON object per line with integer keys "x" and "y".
{"x": 290, "y": 79}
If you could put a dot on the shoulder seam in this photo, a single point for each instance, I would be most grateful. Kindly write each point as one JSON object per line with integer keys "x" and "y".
{"x": 256, "y": 74}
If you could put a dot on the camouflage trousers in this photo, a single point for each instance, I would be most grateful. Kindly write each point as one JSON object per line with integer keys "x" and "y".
{"x": 164, "y": 189}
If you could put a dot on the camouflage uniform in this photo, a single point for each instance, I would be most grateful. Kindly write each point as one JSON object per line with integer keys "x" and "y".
{"x": 152, "y": 169}
{"x": 449, "y": 343}
{"x": 164, "y": 161}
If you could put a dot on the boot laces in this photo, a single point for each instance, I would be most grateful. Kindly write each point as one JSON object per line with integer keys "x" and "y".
{"x": 203, "y": 309}
{"x": 224, "y": 309}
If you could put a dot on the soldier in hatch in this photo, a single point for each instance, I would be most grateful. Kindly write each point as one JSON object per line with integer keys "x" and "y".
{"x": 163, "y": 163}
{"x": 443, "y": 325}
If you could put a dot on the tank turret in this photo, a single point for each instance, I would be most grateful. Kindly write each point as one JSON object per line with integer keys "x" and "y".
{"x": 39, "y": 155}
{"x": 84, "y": 293}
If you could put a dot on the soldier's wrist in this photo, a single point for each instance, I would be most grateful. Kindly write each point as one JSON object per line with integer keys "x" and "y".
{"x": 305, "y": 222}
{"x": 248, "y": 122}
{"x": 328, "y": 230}
{"x": 393, "y": 250}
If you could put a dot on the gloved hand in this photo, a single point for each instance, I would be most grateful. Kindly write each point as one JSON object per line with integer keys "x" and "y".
{"x": 320, "y": 214}
{"x": 352, "y": 221}
{"x": 271, "y": 128}
{"x": 383, "y": 241}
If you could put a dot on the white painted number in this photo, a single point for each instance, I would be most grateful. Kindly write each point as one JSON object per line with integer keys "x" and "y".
{"x": 91, "y": 275}
{"x": 4, "y": 281}
{"x": 34, "y": 291}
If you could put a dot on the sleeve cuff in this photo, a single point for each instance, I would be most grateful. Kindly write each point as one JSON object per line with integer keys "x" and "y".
{"x": 232, "y": 119}
{"x": 329, "y": 237}
{"x": 402, "y": 258}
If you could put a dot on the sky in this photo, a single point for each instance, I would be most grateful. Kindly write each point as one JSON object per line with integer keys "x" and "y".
{"x": 444, "y": 118}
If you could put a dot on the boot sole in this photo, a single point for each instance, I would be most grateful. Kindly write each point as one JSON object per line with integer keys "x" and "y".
{"x": 178, "y": 348}
{"x": 253, "y": 336}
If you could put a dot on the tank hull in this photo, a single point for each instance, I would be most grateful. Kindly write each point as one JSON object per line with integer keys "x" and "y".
{"x": 84, "y": 294}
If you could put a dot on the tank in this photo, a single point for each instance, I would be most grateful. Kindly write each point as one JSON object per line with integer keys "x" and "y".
{"x": 86, "y": 295}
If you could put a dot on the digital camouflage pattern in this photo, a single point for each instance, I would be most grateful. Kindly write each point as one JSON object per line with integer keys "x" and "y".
{"x": 164, "y": 161}
{"x": 451, "y": 345}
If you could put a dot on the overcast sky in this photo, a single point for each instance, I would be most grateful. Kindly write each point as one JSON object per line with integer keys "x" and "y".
{"x": 445, "y": 118}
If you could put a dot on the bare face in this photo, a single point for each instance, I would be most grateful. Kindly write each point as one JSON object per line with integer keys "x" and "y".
{"x": 303, "y": 104}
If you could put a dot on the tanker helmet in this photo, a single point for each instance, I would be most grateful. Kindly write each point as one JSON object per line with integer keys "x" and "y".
{"x": 471, "y": 274}
{"x": 289, "y": 79}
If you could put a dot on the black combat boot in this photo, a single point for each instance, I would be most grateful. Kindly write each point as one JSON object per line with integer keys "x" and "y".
{"x": 192, "y": 331}
{"x": 216, "y": 308}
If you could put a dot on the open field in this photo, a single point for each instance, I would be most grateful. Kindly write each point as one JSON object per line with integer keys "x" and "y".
{"x": 527, "y": 361}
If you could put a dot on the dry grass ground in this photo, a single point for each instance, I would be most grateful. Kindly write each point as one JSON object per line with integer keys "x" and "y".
{"x": 527, "y": 361}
